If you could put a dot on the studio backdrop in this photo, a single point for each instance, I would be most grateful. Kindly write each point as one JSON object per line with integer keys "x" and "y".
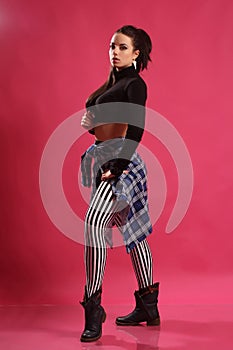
{"x": 53, "y": 55}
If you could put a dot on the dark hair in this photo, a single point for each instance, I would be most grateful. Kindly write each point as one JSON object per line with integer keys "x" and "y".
{"x": 142, "y": 42}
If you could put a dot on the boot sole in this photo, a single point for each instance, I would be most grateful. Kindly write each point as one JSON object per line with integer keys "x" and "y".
{"x": 89, "y": 340}
{"x": 155, "y": 322}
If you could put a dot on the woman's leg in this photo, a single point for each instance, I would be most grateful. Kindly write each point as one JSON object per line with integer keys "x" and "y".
{"x": 146, "y": 297}
{"x": 98, "y": 216}
{"x": 142, "y": 261}
{"x": 141, "y": 258}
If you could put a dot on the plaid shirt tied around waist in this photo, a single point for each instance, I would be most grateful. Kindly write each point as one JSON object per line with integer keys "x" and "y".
{"x": 130, "y": 190}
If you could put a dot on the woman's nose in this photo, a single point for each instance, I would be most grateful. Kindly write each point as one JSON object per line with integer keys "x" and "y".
{"x": 115, "y": 50}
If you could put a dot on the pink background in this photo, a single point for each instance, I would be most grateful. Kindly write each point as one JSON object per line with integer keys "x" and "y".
{"x": 53, "y": 55}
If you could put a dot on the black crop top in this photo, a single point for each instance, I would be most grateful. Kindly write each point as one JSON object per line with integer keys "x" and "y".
{"x": 128, "y": 87}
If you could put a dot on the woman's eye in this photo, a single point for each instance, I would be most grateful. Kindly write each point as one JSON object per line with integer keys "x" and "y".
{"x": 112, "y": 46}
{"x": 123, "y": 47}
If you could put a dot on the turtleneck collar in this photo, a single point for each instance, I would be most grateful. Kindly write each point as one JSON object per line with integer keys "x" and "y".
{"x": 125, "y": 72}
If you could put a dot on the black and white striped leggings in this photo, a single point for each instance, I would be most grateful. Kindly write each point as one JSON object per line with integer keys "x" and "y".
{"x": 102, "y": 211}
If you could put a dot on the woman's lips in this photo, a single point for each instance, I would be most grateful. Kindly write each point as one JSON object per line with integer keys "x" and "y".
{"x": 115, "y": 59}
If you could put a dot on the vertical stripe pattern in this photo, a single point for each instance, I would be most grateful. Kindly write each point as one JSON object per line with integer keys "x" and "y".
{"x": 98, "y": 216}
{"x": 142, "y": 261}
{"x": 102, "y": 211}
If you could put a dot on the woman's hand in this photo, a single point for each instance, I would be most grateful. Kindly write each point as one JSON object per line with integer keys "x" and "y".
{"x": 108, "y": 175}
{"x": 87, "y": 121}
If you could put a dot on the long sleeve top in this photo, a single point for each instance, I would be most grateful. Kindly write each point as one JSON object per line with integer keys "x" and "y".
{"x": 129, "y": 87}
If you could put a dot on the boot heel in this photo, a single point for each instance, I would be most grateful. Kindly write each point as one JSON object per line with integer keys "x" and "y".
{"x": 104, "y": 317}
{"x": 155, "y": 322}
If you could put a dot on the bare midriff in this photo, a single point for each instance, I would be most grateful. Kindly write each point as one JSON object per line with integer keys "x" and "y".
{"x": 110, "y": 131}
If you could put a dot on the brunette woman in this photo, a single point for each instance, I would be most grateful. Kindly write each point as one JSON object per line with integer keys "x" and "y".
{"x": 116, "y": 117}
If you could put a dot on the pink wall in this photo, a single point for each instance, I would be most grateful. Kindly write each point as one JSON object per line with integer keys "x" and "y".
{"x": 53, "y": 54}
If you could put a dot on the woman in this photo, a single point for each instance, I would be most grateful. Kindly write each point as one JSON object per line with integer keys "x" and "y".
{"x": 116, "y": 116}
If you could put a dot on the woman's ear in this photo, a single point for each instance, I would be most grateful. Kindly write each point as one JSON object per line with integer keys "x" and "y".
{"x": 136, "y": 53}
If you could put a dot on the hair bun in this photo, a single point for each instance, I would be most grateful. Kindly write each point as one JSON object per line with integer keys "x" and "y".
{"x": 145, "y": 38}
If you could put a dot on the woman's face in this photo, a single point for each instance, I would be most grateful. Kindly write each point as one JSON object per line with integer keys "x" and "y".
{"x": 121, "y": 52}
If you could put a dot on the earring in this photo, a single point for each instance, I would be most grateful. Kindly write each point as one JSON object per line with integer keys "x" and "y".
{"x": 135, "y": 64}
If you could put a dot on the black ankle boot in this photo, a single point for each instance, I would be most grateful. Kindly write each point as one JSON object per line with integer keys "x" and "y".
{"x": 94, "y": 317}
{"x": 146, "y": 309}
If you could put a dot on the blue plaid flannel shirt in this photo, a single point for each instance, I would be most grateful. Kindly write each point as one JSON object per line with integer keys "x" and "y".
{"x": 130, "y": 189}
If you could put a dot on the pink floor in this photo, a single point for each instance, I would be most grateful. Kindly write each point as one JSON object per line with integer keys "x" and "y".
{"x": 59, "y": 327}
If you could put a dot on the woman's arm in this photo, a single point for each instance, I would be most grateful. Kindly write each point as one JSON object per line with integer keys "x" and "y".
{"x": 137, "y": 95}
